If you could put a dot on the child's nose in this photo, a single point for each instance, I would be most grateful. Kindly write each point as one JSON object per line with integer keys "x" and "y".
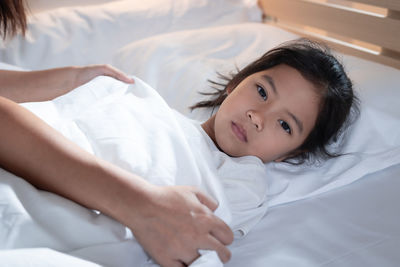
{"x": 256, "y": 119}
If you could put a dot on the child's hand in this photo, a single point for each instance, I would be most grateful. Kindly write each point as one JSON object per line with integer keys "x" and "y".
{"x": 87, "y": 73}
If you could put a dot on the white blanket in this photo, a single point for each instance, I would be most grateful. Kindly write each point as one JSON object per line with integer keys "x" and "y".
{"x": 131, "y": 126}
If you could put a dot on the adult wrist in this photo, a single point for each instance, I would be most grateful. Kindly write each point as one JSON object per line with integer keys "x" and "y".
{"x": 127, "y": 198}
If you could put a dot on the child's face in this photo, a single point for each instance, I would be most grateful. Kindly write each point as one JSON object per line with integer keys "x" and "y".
{"x": 268, "y": 115}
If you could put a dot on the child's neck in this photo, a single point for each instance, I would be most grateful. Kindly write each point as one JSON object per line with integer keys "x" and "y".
{"x": 208, "y": 127}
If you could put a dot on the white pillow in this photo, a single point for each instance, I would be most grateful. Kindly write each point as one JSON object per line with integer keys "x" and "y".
{"x": 179, "y": 64}
{"x": 91, "y": 34}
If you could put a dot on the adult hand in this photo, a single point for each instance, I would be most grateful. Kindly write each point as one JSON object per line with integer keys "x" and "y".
{"x": 176, "y": 222}
{"x": 87, "y": 73}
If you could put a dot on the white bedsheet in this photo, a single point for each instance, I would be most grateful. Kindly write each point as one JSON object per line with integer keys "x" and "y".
{"x": 353, "y": 226}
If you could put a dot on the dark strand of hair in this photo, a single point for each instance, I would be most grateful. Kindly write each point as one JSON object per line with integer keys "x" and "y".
{"x": 12, "y": 17}
{"x": 219, "y": 93}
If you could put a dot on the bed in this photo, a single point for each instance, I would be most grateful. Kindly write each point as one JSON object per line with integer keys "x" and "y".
{"x": 344, "y": 212}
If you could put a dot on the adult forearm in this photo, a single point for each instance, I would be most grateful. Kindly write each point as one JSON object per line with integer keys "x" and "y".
{"x": 42, "y": 85}
{"x": 33, "y": 150}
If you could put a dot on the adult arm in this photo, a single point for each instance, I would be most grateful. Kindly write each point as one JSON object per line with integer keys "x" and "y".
{"x": 42, "y": 85}
{"x": 171, "y": 223}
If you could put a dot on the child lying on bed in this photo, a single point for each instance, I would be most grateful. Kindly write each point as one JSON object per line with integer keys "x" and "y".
{"x": 287, "y": 105}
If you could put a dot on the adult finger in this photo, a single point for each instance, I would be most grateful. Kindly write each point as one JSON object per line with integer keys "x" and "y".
{"x": 223, "y": 252}
{"x": 187, "y": 262}
{"x": 172, "y": 263}
{"x": 223, "y": 233}
{"x": 206, "y": 200}
{"x": 116, "y": 74}
{"x": 220, "y": 229}
{"x": 178, "y": 264}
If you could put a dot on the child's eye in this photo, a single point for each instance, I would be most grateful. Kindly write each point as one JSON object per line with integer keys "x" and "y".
{"x": 262, "y": 92}
{"x": 285, "y": 126}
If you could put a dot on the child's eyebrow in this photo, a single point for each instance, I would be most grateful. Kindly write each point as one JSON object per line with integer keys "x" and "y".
{"x": 297, "y": 121}
{"x": 272, "y": 84}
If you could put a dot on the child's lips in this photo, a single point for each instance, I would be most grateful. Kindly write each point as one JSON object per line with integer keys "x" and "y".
{"x": 239, "y": 131}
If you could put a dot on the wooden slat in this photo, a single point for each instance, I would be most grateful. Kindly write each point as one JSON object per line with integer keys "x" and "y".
{"x": 389, "y": 58}
{"x": 380, "y": 31}
{"x": 390, "y": 4}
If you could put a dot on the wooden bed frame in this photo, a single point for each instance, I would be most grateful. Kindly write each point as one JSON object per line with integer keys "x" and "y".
{"x": 364, "y": 28}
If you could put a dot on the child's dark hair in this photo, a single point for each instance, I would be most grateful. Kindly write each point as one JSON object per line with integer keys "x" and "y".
{"x": 316, "y": 64}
